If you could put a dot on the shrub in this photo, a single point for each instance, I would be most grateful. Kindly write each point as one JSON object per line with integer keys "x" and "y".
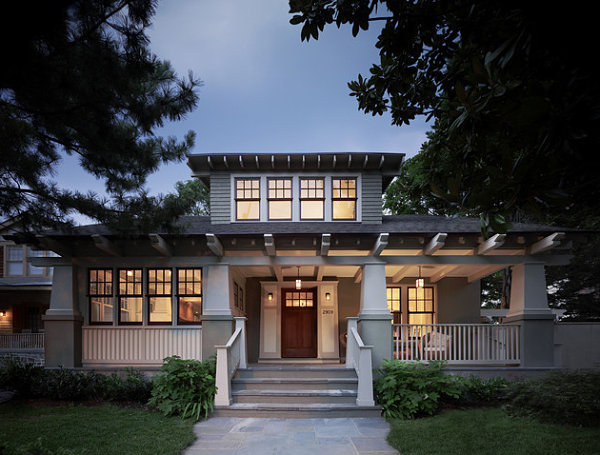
{"x": 186, "y": 388}
{"x": 563, "y": 397}
{"x": 25, "y": 379}
{"x": 408, "y": 390}
{"x": 475, "y": 391}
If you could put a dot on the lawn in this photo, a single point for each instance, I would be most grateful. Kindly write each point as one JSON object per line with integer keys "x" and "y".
{"x": 489, "y": 431}
{"x": 102, "y": 429}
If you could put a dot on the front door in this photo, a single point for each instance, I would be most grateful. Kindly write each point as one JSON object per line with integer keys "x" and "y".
{"x": 299, "y": 322}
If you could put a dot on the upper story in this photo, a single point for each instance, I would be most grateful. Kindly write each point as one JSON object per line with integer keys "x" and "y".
{"x": 298, "y": 187}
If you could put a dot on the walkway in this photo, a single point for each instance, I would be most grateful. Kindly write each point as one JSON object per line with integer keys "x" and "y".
{"x": 254, "y": 436}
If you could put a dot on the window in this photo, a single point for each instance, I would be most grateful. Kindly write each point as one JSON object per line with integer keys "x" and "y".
{"x": 247, "y": 199}
{"x": 100, "y": 293}
{"x": 159, "y": 296}
{"x": 130, "y": 296}
{"x": 299, "y": 299}
{"x": 14, "y": 261}
{"x": 420, "y": 305}
{"x": 393, "y": 301}
{"x": 18, "y": 264}
{"x": 189, "y": 296}
{"x": 280, "y": 198}
{"x": 311, "y": 199}
{"x": 343, "y": 199}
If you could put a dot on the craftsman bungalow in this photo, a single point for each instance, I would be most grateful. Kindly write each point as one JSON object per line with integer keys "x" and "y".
{"x": 297, "y": 263}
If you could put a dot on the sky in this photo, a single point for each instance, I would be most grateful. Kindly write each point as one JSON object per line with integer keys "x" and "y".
{"x": 263, "y": 89}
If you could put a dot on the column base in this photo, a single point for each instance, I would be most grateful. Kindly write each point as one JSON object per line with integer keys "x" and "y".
{"x": 376, "y": 331}
{"x": 216, "y": 330}
{"x": 537, "y": 338}
{"x": 62, "y": 340}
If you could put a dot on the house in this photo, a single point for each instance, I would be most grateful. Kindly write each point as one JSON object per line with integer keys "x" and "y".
{"x": 297, "y": 255}
{"x": 24, "y": 297}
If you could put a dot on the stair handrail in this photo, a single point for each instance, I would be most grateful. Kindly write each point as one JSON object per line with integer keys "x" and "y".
{"x": 230, "y": 357}
{"x": 359, "y": 357}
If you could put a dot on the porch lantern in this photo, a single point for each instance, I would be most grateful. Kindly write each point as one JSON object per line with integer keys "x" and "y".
{"x": 420, "y": 281}
{"x": 270, "y": 296}
{"x": 327, "y": 296}
{"x": 298, "y": 280}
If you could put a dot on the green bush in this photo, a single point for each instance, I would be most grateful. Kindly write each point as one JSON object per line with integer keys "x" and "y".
{"x": 475, "y": 391}
{"x": 25, "y": 379}
{"x": 186, "y": 388}
{"x": 563, "y": 397}
{"x": 408, "y": 390}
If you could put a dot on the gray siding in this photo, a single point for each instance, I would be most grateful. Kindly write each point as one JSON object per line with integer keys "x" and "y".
{"x": 371, "y": 199}
{"x": 220, "y": 199}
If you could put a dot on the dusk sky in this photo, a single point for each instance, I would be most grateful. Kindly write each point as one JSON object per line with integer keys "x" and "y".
{"x": 264, "y": 90}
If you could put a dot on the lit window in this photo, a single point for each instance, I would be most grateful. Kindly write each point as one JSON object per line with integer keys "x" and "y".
{"x": 14, "y": 261}
{"x": 299, "y": 299}
{"x": 344, "y": 199}
{"x": 420, "y": 305}
{"x": 130, "y": 296}
{"x": 100, "y": 291}
{"x": 247, "y": 199}
{"x": 159, "y": 296}
{"x": 189, "y": 296}
{"x": 280, "y": 198}
{"x": 311, "y": 199}
{"x": 393, "y": 301}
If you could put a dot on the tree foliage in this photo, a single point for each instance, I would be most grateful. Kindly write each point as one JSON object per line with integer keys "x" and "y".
{"x": 511, "y": 87}
{"x": 79, "y": 79}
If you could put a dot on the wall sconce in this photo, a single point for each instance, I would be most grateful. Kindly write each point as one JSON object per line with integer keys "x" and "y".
{"x": 298, "y": 280}
{"x": 420, "y": 281}
{"x": 270, "y": 296}
{"x": 327, "y": 296}
{"x": 2, "y": 314}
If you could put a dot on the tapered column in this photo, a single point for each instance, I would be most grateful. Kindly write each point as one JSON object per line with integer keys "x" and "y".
{"x": 63, "y": 321}
{"x": 529, "y": 308}
{"x": 217, "y": 320}
{"x": 375, "y": 318}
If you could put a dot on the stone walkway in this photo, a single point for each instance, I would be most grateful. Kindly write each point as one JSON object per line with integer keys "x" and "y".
{"x": 345, "y": 436}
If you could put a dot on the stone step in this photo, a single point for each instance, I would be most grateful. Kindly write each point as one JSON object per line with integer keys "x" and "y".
{"x": 300, "y": 410}
{"x": 294, "y": 383}
{"x": 317, "y": 397}
{"x": 290, "y": 371}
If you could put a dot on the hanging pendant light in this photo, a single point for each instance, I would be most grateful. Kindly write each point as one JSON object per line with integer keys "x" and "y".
{"x": 420, "y": 281}
{"x": 298, "y": 280}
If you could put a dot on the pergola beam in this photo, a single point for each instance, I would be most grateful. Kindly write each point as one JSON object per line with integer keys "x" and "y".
{"x": 320, "y": 273}
{"x": 214, "y": 244}
{"x": 403, "y": 272}
{"x": 437, "y": 242}
{"x": 442, "y": 272}
{"x": 380, "y": 244}
{"x": 358, "y": 275}
{"x": 103, "y": 244}
{"x": 547, "y": 243}
{"x": 269, "y": 244}
{"x": 277, "y": 273}
{"x": 160, "y": 245}
{"x": 484, "y": 271}
{"x": 491, "y": 244}
{"x": 325, "y": 244}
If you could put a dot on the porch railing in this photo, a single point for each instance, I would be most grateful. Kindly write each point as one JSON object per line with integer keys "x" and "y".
{"x": 21, "y": 341}
{"x": 230, "y": 357}
{"x": 458, "y": 343}
{"x": 358, "y": 356}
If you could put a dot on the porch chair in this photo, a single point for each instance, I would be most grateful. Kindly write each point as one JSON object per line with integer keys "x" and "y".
{"x": 436, "y": 346}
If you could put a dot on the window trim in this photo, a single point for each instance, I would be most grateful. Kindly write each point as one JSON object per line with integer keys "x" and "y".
{"x": 301, "y": 199}
{"x": 236, "y": 199}
{"x": 282, "y": 199}
{"x": 178, "y": 295}
{"x": 119, "y": 295}
{"x": 149, "y": 295}
{"x": 340, "y": 198}
{"x": 432, "y": 312}
{"x": 399, "y": 312}
{"x": 111, "y": 295}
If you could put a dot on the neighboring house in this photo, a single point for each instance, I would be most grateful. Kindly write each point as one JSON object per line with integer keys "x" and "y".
{"x": 297, "y": 244}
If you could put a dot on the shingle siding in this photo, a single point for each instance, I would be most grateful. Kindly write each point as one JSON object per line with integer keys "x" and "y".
{"x": 371, "y": 199}
{"x": 220, "y": 198}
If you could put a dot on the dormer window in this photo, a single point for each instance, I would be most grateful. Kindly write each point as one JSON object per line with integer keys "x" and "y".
{"x": 311, "y": 198}
{"x": 280, "y": 198}
{"x": 343, "y": 197}
{"x": 247, "y": 198}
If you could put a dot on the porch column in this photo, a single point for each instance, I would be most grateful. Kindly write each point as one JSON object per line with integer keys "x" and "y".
{"x": 529, "y": 308}
{"x": 217, "y": 320}
{"x": 375, "y": 317}
{"x": 63, "y": 321}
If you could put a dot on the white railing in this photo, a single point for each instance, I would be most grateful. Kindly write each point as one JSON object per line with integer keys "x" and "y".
{"x": 358, "y": 356}
{"x": 21, "y": 341}
{"x": 458, "y": 343}
{"x": 144, "y": 345}
{"x": 230, "y": 357}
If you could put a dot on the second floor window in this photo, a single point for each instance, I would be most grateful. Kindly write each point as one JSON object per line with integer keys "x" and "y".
{"x": 344, "y": 199}
{"x": 280, "y": 199}
{"x": 247, "y": 199}
{"x": 311, "y": 199}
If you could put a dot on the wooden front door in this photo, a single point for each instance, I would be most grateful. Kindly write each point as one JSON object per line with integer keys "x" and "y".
{"x": 299, "y": 322}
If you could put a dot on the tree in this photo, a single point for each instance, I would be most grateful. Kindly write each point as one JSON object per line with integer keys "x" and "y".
{"x": 511, "y": 87}
{"x": 195, "y": 195}
{"x": 79, "y": 79}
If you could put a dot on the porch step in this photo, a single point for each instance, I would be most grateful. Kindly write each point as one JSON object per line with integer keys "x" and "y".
{"x": 295, "y": 391}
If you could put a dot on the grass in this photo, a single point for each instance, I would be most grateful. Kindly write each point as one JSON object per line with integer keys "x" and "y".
{"x": 103, "y": 429}
{"x": 489, "y": 431}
